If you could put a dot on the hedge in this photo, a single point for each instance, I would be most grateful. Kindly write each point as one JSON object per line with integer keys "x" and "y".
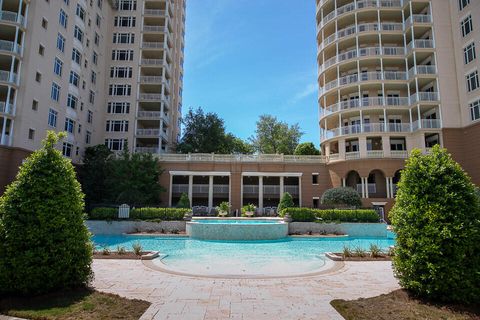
{"x": 336, "y": 215}
{"x": 165, "y": 214}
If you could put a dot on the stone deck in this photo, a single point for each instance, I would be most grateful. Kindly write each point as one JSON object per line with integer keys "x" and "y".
{"x": 181, "y": 297}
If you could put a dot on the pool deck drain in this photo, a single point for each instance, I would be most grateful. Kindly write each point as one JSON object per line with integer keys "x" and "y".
{"x": 191, "y": 297}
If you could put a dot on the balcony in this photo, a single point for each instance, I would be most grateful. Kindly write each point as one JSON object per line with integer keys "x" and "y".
{"x": 6, "y": 108}
{"x": 154, "y": 80}
{"x": 372, "y": 188}
{"x": 153, "y": 45}
{"x": 364, "y": 77}
{"x": 427, "y": 124}
{"x": 420, "y": 44}
{"x": 9, "y": 77}
{"x": 147, "y": 149}
{"x": 249, "y": 189}
{"x": 14, "y": 17}
{"x": 179, "y": 188}
{"x": 149, "y": 114}
{"x": 417, "y": 18}
{"x": 375, "y": 154}
{"x": 422, "y": 70}
{"x": 420, "y": 97}
{"x": 10, "y": 46}
{"x": 244, "y": 158}
{"x": 148, "y": 132}
{"x": 368, "y": 128}
{"x": 155, "y": 12}
{"x": 155, "y": 29}
{"x": 352, "y": 155}
{"x": 401, "y": 154}
{"x": 368, "y": 102}
{"x": 150, "y": 97}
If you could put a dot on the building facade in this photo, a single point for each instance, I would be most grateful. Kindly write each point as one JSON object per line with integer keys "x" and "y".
{"x": 106, "y": 72}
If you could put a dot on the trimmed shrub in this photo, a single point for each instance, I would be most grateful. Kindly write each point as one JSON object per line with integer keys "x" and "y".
{"x": 183, "y": 202}
{"x": 436, "y": 218}
{"x": 165, "y": 214}
{"x": 101, "y": 213}
{"x": 331, "y": 215}
{"x": 286, "y": 201}
{"x": 341, "y": 196}
{"x": 44, "y": 243}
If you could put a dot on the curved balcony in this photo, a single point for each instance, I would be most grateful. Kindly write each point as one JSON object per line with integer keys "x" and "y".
{"x": 6, "y": 108}
{"x": 420, "y": 44}
{"x": 361, "y": 53}
{"x": 418, "y": 19}
{"x": 362, "y": 4}
{"x": 372, "y": 102}
{"x": 9, "y": 77}
{"x": 361, "y": 28}
{"x": 149, "y": 114}
{"x": 10, "y": 47}
{"x": 12, "y": 17}
{"x": 364, "y": 77}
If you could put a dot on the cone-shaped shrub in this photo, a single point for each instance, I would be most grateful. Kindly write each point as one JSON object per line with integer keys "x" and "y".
{"x": 184, "y": 201}
{"x": 437, "y": 221}
{"x": 44, "y": 243}
{"x": 286, "y": 202}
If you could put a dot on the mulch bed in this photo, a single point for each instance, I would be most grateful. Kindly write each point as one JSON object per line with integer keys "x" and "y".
{"x": 114, "y": 255}
{"x": 336, "y": 256}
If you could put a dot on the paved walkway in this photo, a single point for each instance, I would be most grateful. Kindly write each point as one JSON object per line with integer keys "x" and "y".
{"x": 181, "y": 297}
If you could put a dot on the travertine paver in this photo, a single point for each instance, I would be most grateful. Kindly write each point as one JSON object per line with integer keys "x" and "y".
{"x": 181, "y": 297}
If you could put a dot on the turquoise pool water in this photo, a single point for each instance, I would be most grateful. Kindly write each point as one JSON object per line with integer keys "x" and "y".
{"x": 289, "y": 256}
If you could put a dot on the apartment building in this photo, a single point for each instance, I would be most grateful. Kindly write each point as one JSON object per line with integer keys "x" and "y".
{"x": 106, "y": 72}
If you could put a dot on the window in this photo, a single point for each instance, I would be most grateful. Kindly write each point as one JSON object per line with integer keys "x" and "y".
{"x": 124, "y": 21}
{"x": 69, "y": 125}
{"x": 31, "y": 134}
{"x": 55, "y": 93}
{"x": 35, "y": 105}
{"x": 88, "y": 43}
{"x": 117, "y": 126}
{"x": 124, "y": 38}
{"x": 41, "y": 50}
{"x": 472, "y": 81}
{"x": 63, "y": 18}
{"x": 67, "y": 2}
{"x": 67, "y": 149}
{"x": 77, "y": 151}
{"x": 469, "y": 53}
{"x": 79, "y": 128}
{"x": 463, "y": 3}
{"x": 98, "y": 20}
{"x": 120, "y": 90}
{"x": 100, "y": 3}
{"x": 61, "y": 42}
{"x": 121, "y": 72}
{"x": 78, "y": 34}
{"x": 38, "y": 77}
{"x": 397, "y": 144}
{"x": 80, "y": 12}
{"x": 72, "y": 101}
{"x": 74, "y": 78}
{"x": 475, "y": 110}
{"x": 467, "y": 25}
{"x": 85, "y": 64}
{"x": 118, "y": 107}
{"x": 116, "y": 144}
{"x": 88, "y": 137}
{"x": 97, "y": 39}
{"x": 52, "y": 118}
{"x": 57, "y": 67}
{"x": 90, "y": 116}
{"x": 95, "y": 58}
{"x": 44, "y": 23}
{"x": 93, "y": 77}
{"x": 76, "y": 56}
{"x": 122, "y": 55}
{"x": 314, "y": 178}
{"x": 91, "y": 97}
{"x": 315, "y": 202}
{"x": 127, "y": 5}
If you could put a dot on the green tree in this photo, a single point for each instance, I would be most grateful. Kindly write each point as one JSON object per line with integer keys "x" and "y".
{"x": 93, "y": 173}
{"x": 133, "y": 179}
{"x": 273, "y": 136}
{"x": 306, "y": 149}
{"x": 44, "y": 243}
{"x": 183, "y": 202}
{"x": 436, "y": 218}
{"x": 286, "y": 202}
{"x": 341, "y": 196}
{"x": 205, "y": 133}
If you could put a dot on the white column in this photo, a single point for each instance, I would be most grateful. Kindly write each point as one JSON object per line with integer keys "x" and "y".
{"x": 388, "y": 186}
{"x": 210, "y": 192}
{"x": 281, "y": 186}
{"x": 300, "y": 191}
{"x": 366, "y": 187}
{"x": 344, "y": 182}
{"x": 230, "y": 190}
{"x": 363, "y": 187}
{"x": 170, "y": 190}
{"x": 260, "y": 192}
{"x": 391, "y": 187}
{"x": 190, "y": 189}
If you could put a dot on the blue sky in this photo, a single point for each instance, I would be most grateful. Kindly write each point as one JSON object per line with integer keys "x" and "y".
{"x": 244, "y": 58}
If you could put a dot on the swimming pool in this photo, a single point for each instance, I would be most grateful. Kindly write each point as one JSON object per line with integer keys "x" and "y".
{"x": 289, "y": 256}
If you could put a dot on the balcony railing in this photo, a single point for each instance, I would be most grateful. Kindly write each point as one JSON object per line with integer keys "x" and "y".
{"x": 147, "y": 149}
{"x": 424, "y": 97}
{"x": 12, "y": 17}
{"x": 148, "y": 132}
{"x": 293, "y": 190}
{"x": 149, "y": 114}
{"x": 368, "y": 102}
{"x": 420, "y": 44}
{"x": 155, "y": 12}
{"x": 155, "y": 29}
{"x": 374, "y": 153}
{"x": 418, "y": 18}
{"x": 422, "y": 70}
{"x": 372, "y": 188}
{"x": 250, "y": 189}
{"x": 10, "y": 46}
{"x": 10, "y": 77}
{"x": 352, "y": 155}
{"x": 152, "y": 62}
{"x": 427, "y": 124}
{"x": 221, "y": 189}
{"x": 365, "y": 76}
{"x": 367, "y": 128}
{"x": 150, "y": 97}
{"x": 402, "y": 154}
{"x": 153, "y": 45}
{"x": 179, "y": 188}
{"x": 154, "y": 80}
{"x": 249, "y": 158}
{"x": 6, "y": 108}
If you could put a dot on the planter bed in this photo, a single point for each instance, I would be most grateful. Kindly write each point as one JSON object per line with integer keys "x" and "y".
{"x": 337, "y": 256}
{"x": 145, "y": 255}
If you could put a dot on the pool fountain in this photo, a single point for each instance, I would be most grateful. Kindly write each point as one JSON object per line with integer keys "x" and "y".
{"x": 237, "y": 228}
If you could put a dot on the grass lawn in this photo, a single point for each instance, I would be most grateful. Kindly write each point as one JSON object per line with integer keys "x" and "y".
{"x": 398, "y": 305}
{"x": 79, "y": 304}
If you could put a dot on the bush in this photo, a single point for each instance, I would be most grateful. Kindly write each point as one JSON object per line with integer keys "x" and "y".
{"x": 103, "y": 214}
{"x": 44, "y": 243}
{"x": 331, "y": 215}
{"x": 286, "y": 201}
{"x": 437, "y": 222}
{"x": 165, "y": 214}
{"x": 184, "y": 201}
{"x": 341, "y": 196}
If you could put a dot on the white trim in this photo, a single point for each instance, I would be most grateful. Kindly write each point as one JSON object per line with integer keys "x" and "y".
{"x": 272, "y": 174}
{"x": 316, "y": 198}
{"x": 200, "y": 173}
{"x": 379, "y": 203}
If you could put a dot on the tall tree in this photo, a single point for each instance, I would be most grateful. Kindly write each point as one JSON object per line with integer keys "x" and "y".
{"x": 94, "y": 172}
{"x": 205, "y": 133}
{"x": 273, "y": 136}
{"x": 306, "y": 149}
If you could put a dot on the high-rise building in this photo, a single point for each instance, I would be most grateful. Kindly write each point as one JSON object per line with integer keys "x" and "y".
{"x": 106, "y": 72}
{"x": 396, "y": 75}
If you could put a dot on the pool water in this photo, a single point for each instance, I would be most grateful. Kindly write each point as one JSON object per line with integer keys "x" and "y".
{"x": 289, "y": 256}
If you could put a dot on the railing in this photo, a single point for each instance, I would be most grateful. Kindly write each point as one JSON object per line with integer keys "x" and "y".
{"x": 6, "y": 108}
{"x": 418, "y": 18}
{"x": 155, "y": 28}
{"x": 150, "y": 96}
{"x": 375, "y": 154}
{"x": 403, "y": 154}
{"x": 366, "y": 128}
{"x": 152, "y": 62}
{"x": 179, "y": 188}
{"x": 293, "y": 190}
{"x": 367, "y": 102}
{"x": 149, "y": 114}
{"x": 365, "y": 76}
{"x": 10, "y": 46}
{"x": 153, "y": 45}
{"x": 148, "y": 132}
{"x": 372, "y": 188}
{"x": 422, "y": 70}
{"x": 271, "y": 189}
{"x": 427, "y": 124}
{"x": 420, "y": 44}
{"x": 12, "y": 17}
{"x": 147, "y": 149}
{"x": 352, "y": 155}
{"x": 250, "y": 189}
{"x": 201, "y": 157}
{"x": 8, "y": 77}
{"x": 334, "y": 157}
{"x": 424, "y": 97}
{"x": 155, "y": 12}
{"x": 151, "y": 79}
{"x": 221, "y": 189}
